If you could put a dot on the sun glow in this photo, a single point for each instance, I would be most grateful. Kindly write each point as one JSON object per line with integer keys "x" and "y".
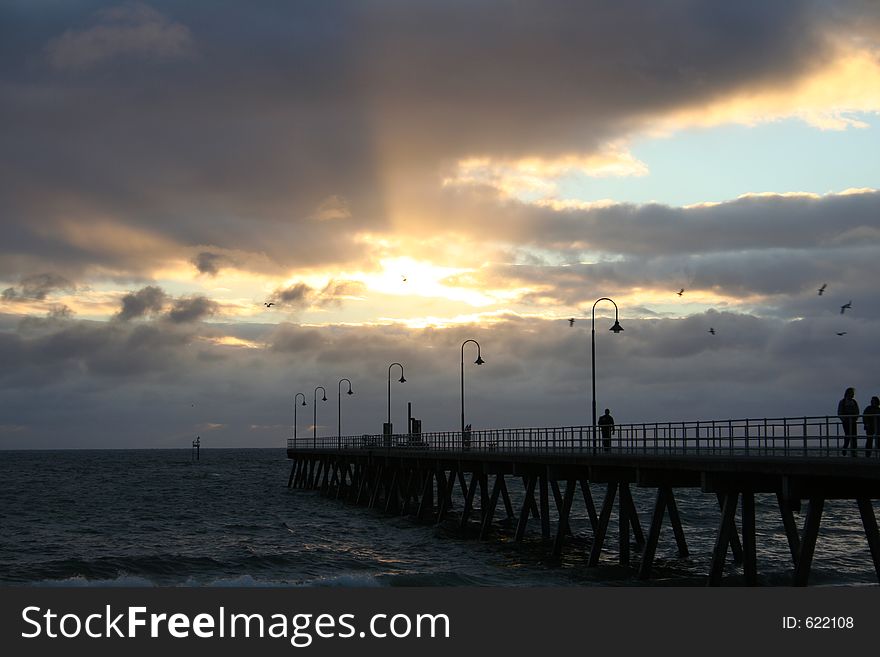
{"x": 405, "y": 276}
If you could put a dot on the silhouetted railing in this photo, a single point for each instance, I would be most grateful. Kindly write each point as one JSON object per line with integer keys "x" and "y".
{"x": 788, "y": 436}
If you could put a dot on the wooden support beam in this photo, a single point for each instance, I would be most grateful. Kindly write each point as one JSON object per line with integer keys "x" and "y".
{"x": 588, "y": 502}
{"x": 533, "y": 505}
{"x": 726, "y": 530}
{"x": 623, "y": 513}
{"x": 445, "y": 484}
{"x": 750, "y": 551}
{"x": 374, "y": 497}
{"x": 564, "y": 511}
{"x": 484, "y": 494}
{"x": 327, "y": 481}
{"x": 808, "y": 542}
{"x": 407, "y": 491}
{"x": 297, "y": 477}
{"x": 602, "y": 524}
{"x": 653, "y": 534}
{"x": 489, "y": 512}
{"x": 461, "y": 483}
{"x": 292, "y": 472}
{"x": 426, "y": 503}
{"x": 869, "y": 521}
{"x": 301, "y": 469}
{"x": 791, "y": 530}
{"x": 633, "y": 516}
{"x": 508, "y": 507}
{"x": 469, "y": 500}
{"x": 340, "y": 485}
{"x": 675, "y": 520}
{"x": 391, "y": 491}
{"x": 528, "y": 502}
{"x": 317, "y": 471}
{"x": 545, "y": 507}
{"x": 356, "y": 476}
{"x": 558, "y": 499}
{"x": 735, "y": 545}
{"x": 363, "y": 484}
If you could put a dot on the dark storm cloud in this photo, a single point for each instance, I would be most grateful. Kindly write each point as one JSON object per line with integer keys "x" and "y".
{"x": 37, "y": 287}
{"x": 146, "y": 301}
{"x": 230, "y": 127}
{"x": 296, "y": 295}
{"x": 208, "y": 263}
{"x": 192, "y": 309}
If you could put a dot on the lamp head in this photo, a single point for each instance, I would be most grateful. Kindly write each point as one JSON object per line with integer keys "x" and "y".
{"x": 350, "y": 392}
{"x": 479, "y": 360}
{"x": 304, "y": 402}
{"x": 402, "y": 380}
{"x": 324, "y": 398}
{"x": 617, "y": 328}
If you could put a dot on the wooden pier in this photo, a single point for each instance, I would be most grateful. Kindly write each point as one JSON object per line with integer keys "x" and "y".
{"x": 429, "y": 476}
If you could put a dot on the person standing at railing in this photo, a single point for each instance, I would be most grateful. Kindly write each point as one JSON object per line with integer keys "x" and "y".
{"x": 871, "y": 420}
{"x": 606, "y": 426}
{"x": 848, "y": 412}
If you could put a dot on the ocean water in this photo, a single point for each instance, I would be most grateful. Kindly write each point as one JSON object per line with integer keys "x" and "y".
{"x": 156, "y": 518}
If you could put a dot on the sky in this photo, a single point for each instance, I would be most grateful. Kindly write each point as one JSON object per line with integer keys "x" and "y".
{"x": 207, "y": 208}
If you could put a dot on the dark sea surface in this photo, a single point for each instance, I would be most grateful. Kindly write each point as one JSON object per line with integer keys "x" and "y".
{"x": 155, "y": 517}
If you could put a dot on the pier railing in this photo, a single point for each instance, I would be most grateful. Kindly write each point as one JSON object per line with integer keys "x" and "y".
{"x": 787, "y": 436}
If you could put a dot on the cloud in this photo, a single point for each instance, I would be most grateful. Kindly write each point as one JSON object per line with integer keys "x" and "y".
{"x": 146, "y": 301}
{"x": 286, "y": 144}
{"x": 192, "y": 309}
{"x": 208, "y": 263}
{"x": 540, "y": 177}
{"x": 536, "y": 374}
{"x": 131, "y": 30}
{"x": 297, "y": 295}
{"x": 37, "y": 287}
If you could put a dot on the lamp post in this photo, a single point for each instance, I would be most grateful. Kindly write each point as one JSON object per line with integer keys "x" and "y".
{"x": 295, "y": 397}
{"x": 617, "y": 328}
{"x": 479, "y": 361}
{"x": 315, "y": 416}
{"x": 339, "y": 410}
{"x": 401, "y": 380}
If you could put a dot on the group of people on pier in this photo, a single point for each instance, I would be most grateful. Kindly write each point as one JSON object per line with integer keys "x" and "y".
{"x": 848, "y": 412}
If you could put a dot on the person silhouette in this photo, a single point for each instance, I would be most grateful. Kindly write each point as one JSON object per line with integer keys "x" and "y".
{"x": 606, "y": 424}
{"x": 848, "y": 413}
{"x": 872, "y": 424}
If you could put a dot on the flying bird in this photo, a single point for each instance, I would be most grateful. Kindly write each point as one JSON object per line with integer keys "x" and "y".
{"x": 404, "y": 278}
{"x": 571, "y": 322}
{"x": 841, "y": 333}
{"x": 269, "y": 304}
{"x": 822, "y": 289}
{"x": 845, "y": 307}
{"x": 680, "y": 292}
{"x": 712, "y": 331}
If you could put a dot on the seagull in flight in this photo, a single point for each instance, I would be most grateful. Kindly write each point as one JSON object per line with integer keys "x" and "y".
{"x": 404, "y": 278}
{"x": 269, "y": 304}
{"x": 841, "y": 333}
{"x": 822, "y": 289}
{"x": 712, "y": 331}
{"x": 680, "y": 292}
{"x": 571, "y": 322}
{"x": 845, "y": 307}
